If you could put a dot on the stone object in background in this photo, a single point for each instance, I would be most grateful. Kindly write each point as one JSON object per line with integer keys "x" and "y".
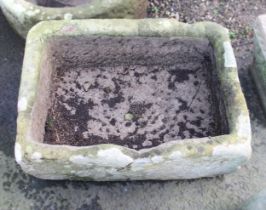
{"x": 256, "y": 202}
{"x": 23, "y": 14}
{"x": 259, "y": 72}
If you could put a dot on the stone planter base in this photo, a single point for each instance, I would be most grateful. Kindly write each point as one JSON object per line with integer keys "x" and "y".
{"x": 59, "y": 59}
{"x": 257, "y": 202}
{"x": 23, "y": 14}
{"x": 259, "y": 72}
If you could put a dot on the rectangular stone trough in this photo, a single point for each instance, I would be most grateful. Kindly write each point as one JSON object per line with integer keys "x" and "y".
{"x": 109, "y": 100}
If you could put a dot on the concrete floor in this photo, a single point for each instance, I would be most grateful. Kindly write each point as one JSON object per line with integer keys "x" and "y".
{"x": 19, "y": 191}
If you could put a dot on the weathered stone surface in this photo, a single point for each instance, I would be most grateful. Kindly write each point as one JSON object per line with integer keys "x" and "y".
{"x": 256, "y": 202}
{"x": 192, "y": 158}
{"x": 22, "y": 14}
{"x": 259, "y": 72}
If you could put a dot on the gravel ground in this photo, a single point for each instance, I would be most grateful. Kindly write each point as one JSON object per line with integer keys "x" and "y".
{"x": 165, "y": 8}
{"x": 19, "y": 191}
{"x": 237, "y": 15}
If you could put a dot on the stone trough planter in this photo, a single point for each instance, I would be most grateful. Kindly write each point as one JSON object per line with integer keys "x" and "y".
{"x": 259, "y": 72}
{"x": 130, "y": 100}
{"x": 23, "y": 14}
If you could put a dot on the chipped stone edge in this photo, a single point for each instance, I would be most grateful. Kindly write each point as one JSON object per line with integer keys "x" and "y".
{"x": 23, "y": 15}
{"x": 229, "y": 57}
{"x": 192, "y": 158}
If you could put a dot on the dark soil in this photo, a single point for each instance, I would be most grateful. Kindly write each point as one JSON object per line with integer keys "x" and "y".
{"x": 59, "y": 3}
{"x": 136, "y": 92}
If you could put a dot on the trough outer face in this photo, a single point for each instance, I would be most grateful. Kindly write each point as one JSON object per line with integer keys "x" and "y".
{"x": 259, "y": 72}
{"x": 188, "y": 159}
{"x": 23, "y": 15}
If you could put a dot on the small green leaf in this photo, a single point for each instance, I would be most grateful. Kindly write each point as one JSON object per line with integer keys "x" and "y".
{"x": 232, "y": 35}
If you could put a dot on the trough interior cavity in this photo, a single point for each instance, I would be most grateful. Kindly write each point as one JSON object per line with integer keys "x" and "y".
{"x": 137, "y": 92}
{"x": 59, "y": 3}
